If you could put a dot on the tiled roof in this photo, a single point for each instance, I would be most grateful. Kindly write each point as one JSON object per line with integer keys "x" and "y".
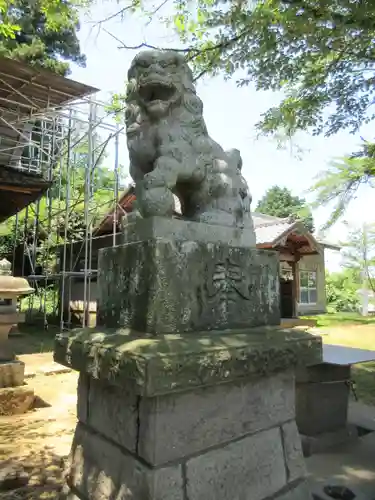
{"x": 268, "y": 227}
{"x": 269, "y": 233}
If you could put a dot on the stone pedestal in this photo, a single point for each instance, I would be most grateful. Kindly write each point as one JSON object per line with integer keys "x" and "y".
{"x": 186, "y": 387}
{"x": 199, "y": 416}
{"x": 322, "y": 397}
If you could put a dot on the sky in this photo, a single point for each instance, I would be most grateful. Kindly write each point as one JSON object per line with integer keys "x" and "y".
{"x": 230, "y": 114}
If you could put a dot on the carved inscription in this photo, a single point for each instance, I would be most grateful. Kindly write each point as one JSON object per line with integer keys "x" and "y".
{"x": 227, "y": 281}
{"x": 234, "y": 290}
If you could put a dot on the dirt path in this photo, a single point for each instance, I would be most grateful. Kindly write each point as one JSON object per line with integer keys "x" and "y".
{"x": 40, "y": 440}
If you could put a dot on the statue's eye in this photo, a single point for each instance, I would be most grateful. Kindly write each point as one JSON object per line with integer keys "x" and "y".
{"x": 143, "y": 63}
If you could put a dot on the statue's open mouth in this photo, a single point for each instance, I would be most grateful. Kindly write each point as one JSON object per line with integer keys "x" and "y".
{"x": 156, "y": 91}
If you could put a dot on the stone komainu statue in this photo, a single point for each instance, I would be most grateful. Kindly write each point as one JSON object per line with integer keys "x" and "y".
{"x": 170, "y": 149}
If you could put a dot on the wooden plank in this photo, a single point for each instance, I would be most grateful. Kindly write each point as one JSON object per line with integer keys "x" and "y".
{"x": 16, "y": 189}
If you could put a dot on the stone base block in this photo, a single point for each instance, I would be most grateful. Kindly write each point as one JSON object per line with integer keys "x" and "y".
{"x": 164, "y": 428}
{"x": 12, "y": 373}
{"x": 168, "y": 286}
{"x": 152, "y": 228}
{"x": 253, "y": 467}
{"x": 232, "y": 440}
{"x": 323, "y": 442}
{"x": 15, "y": 400}
{"x": 7, "y": 354}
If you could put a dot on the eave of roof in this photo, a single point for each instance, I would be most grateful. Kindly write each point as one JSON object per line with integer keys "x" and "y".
{"x": 28, "y": 89}
{"x": 106, "y": 223}
{"x": 18, "y": 189}
{"x": 272, "y": 235}
{"x": 330, "y": 246}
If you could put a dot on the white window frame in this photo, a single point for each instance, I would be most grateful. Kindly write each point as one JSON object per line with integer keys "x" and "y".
{"x": 307, "y": 288}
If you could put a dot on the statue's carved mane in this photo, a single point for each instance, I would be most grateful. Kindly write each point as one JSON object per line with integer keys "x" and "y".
{"x": 189, "y": 106}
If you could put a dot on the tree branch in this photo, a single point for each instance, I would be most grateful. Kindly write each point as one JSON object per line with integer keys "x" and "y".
{"x": 155, "y": 11}
{"x": 190, "y": 51}
{"x": 143, "y": 45}
{"x": 120, "y": 12}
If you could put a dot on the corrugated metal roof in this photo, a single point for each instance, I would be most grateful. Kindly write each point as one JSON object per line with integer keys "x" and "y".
{"x": 27, "y": 89}
{"x": 264, "y": 219}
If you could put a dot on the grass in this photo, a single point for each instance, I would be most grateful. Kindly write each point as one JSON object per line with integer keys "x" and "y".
{"x": 341, "y": 319}
{"x": 364, "y": 378}
{"x": 353, "y": 330}
{"x": 34, "y": 339}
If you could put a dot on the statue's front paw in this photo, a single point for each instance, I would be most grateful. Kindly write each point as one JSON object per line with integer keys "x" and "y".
{"x": 157, "y": 201}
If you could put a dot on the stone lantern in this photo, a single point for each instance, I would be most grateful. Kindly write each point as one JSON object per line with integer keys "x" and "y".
{"x": 14, "y": 397}
{"x": 10, "y": 289}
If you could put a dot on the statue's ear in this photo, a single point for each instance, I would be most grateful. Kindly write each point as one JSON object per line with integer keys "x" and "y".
{"x": 234, "y": 157}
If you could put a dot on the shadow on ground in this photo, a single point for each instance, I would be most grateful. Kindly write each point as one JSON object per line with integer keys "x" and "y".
{"x": 38, "y": 476}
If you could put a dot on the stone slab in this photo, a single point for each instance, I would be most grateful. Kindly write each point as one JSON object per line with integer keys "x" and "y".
{"x": 83, "y": 397}
{"x": 110, "y": 410}
{"x": 53, "y": 369}
{"x": 168, "y": 286}
{"x": 295, "y": 463}
{"x": 101, "y": 470}
{"x": 329, "y": 440}
{"x": 15, "y": 400}
{"x": 323, "y": 373}
{"x": 252, "y": 468}
{"x": 152, "y": 228}
{"x": 168, "y": 363}
{"x": 179, "y": 425}
{"x": 361, "y": 415}
{"x": 321, "y": 407}
{"x": 342, "y": 355}
{"x": 11, "y": 373}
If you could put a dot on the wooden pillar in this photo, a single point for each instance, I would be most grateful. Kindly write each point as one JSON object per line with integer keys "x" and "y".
{"x": 295, "y": 274}
{"x": 295, "y": 288}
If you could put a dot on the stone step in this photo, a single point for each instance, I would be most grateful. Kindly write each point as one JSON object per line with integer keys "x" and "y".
{"x": 362, "y": 415}
{"x": 50, "y": 369}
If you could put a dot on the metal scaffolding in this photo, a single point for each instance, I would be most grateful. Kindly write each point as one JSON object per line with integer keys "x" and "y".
{"x": 72, "y": 141}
